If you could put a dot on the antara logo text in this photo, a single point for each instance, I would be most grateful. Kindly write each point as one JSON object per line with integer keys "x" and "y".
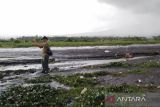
{"x": 130, "y": 99}
{"x": 113, "y": 99}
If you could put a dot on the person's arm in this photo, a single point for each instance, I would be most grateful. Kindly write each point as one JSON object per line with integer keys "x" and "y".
{"x": 40, "y": 45}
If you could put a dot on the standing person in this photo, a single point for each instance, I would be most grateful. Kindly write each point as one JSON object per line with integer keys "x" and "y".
{"x": 46, "y": 52}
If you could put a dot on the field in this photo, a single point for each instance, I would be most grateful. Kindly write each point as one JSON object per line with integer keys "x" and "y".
{"x": 83, "y": 41}
{"x": 80, "y": 76}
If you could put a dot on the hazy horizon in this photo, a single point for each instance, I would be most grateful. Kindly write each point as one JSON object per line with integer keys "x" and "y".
{"x": 79, "y": 17}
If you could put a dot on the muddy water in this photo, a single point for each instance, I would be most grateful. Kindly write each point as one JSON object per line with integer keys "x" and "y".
{"x": 67, "y": 60}
{"x": 65, "y": 65}
{"x": 68, "y": 57}
{"x": 86, "y": 52}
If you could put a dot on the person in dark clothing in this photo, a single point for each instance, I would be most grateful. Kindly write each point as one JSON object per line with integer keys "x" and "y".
{"x": 45, "y": 57}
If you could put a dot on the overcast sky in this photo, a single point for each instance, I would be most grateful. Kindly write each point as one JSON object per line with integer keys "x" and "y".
{"x": 56, "y": 17}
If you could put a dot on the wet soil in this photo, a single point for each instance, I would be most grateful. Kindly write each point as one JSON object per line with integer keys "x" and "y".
{"x": 18, "y": 64}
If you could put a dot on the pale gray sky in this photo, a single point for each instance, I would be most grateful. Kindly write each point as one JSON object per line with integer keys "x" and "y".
{"x": 56, "y": 17}
{"x": 139, "y": 17}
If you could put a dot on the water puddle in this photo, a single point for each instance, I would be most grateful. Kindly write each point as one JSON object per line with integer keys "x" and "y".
{"x": 66, "y": 65}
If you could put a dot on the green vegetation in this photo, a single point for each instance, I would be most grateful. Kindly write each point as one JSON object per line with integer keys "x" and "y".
{"x": 76, "y": 80}
{"x": 148, "y": 64}
{"x": 42, "y": 96}
{"x": 46, "y": 96}
{"x": 151, "y": 64}
{"x": 41, "y": 79}
{"x": 80, "y": 41}
{"x": 138, "y": 71}
{"x": 117, "y": 64}
{"x": 37, "y": 95}
{"x": 112, "y": 64}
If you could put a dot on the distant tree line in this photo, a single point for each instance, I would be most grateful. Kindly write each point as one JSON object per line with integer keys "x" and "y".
{"x": 79, "y": 39}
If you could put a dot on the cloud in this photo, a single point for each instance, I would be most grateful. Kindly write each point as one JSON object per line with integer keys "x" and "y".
{"x": 138, "y": 6}
{"x": 135, "y": 17}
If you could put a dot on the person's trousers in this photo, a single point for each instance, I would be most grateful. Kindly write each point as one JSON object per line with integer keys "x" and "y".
{"x": 45, "y": 60}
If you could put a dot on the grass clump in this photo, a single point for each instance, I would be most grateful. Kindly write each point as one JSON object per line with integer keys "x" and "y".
{"x": 94, "y": 74}
{"x": 76, "y": 80}
{"x": 94, "y": 97}
{"x": 138, "y": 71}
{"x": 124, "y": 88}
{"x": 37, "y": 96}
{"x": 41, "y": 79}
{"x": 150, "y": 64}
{"x": 117, "y": 64}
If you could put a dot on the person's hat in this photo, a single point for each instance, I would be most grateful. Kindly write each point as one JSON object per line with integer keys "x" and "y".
{"x": 44, "y": 37}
